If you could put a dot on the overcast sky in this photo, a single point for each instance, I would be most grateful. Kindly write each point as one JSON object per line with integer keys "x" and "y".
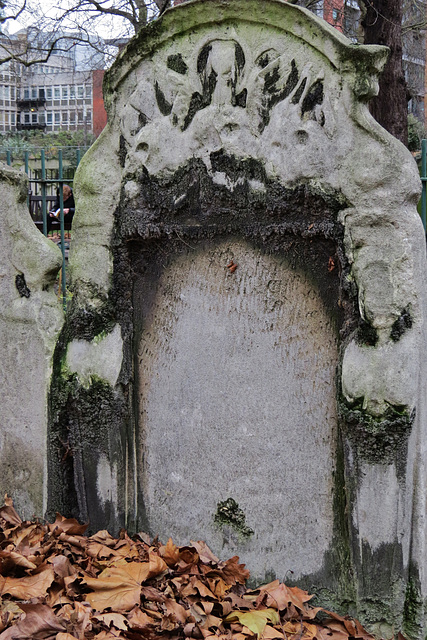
{"x": 106, "y": 28}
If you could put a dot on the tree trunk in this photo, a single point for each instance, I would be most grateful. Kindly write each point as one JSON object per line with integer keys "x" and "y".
{"x": 382, "y": 24}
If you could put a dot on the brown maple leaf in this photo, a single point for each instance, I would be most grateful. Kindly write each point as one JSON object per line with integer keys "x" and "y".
{"x": 34, "y": 586}
{"x": 119, "y": 587}
{"x": 38, "y": 622}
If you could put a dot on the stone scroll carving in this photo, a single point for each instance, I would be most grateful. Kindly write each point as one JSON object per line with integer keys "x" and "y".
{"x": 244, "y": 355}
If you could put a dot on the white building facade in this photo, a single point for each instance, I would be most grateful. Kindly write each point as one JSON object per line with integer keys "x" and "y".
{"x": 56, "y": 95}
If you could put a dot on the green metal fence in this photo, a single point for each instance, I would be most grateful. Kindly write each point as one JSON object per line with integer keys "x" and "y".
{"x": 48, "y": 170}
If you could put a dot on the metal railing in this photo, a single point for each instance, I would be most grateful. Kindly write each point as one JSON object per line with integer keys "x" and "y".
{"x": 44, "y": 183}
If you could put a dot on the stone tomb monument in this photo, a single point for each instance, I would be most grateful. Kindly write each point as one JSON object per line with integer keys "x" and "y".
{"x": 243, "y": 358}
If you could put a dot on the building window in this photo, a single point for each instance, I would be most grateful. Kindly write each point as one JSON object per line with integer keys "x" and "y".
{"x": 41, "y": 94}
{"x": 57, "y": 117}
{"x": 13, "y": 118}
{"x": 56, "y": 93}
{"x": 49, "y": 117}
{"x": 64, "y": 93}
{"x": 6, "y": 92}
{"x": 80, "y": 92}
{"x": 26, "y": 93}
{"x": 88, "y": 115}
{"x": 72, "y": 117}
{"x": 12, "y": 93}
{"x": 88, "y": 91}
{"x": 80, "y": 116}
{"x": 26, "y": 118}
{"x": 49, "y": 93}
{"x": 6, "y": 117}
{"x": 34, "y": 118}
{"x": 335, "y": 14}
{"x": 64, "y": 117}
{"x": 33, "y": 93}
{"x": 72, "y": 91}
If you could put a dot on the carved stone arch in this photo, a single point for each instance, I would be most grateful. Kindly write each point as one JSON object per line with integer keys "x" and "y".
{"x": 257, "y": 211}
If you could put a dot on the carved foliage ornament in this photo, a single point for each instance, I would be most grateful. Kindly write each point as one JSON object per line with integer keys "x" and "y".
{"x": 222, "y": 77}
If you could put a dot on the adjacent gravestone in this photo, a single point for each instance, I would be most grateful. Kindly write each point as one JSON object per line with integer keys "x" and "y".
{"x": 244, "y": 356}
{"x": 30, "y": 320}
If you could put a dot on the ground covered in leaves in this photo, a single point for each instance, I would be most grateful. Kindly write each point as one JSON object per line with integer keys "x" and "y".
{"x": 56, "y": 583}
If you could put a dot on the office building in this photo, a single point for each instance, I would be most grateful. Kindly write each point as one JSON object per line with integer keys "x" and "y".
{"x": 63, "y": 93}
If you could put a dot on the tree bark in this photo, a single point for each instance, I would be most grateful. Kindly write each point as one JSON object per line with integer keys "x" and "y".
{"x": 382, "y": 24}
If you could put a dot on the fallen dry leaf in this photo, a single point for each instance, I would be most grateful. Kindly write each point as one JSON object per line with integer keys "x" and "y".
{"x": 112, "y": 619}
{"x": 34, "y": 586}
{"x": 38, "y": 621}
{"x": 255, "y": 621}
{"x": 119, "y": 587}
{"x": 67, "y": 525}
{"x": 170, "y": 553}
{"x": 140, "y": 620}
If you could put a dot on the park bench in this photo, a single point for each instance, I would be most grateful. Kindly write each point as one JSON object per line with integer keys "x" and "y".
{"x": 36, "y": 210}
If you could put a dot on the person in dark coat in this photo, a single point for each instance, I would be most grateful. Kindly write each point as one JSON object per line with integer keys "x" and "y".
{"x": 69, "y": 207}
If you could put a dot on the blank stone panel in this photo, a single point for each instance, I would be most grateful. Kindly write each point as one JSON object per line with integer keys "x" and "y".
{"x": 237, "y": 399}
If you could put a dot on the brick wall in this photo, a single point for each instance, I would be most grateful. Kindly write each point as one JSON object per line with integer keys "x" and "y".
{"x": 99, "y": 113}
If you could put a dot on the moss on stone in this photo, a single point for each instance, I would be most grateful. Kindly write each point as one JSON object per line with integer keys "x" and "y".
{"x": 229, "y": 513}
{"x": 402, "y": 324}
{"x": 366, "y": 334}
{"x": 413, "y": 610}
{"x": 377, "y": 438}
{"x": 22, "y": 286}
{"x": 86, "y": 423}
{"x": 83, "y": 323}
{"x": 176, "y": 63}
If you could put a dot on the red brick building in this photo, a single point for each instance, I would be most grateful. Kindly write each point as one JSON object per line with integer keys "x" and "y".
{"x": 99, "y": 113}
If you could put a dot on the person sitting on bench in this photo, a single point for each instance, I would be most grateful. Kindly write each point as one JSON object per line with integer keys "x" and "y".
{"x": 69, "y": 207}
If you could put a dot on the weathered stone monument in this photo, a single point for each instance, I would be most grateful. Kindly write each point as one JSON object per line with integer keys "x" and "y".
{"x": 30, "y": 320}
{"x": 243, "y": 358}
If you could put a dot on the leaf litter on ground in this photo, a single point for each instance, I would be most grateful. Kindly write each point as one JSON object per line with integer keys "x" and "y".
{"x": 56, "y": 583}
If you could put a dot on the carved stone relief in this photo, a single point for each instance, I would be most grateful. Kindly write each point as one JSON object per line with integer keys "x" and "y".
{"x": 227, "y": 84}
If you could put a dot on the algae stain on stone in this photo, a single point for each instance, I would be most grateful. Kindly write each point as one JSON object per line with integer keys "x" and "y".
{"x": 229, "y": 514}
{"x": 413, "y": 611}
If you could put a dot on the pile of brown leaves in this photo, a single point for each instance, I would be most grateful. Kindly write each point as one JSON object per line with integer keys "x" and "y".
{"x": 58, "y": 584}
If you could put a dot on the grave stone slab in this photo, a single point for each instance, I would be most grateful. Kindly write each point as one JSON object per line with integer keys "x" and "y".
{"x": 248, "y": 266}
